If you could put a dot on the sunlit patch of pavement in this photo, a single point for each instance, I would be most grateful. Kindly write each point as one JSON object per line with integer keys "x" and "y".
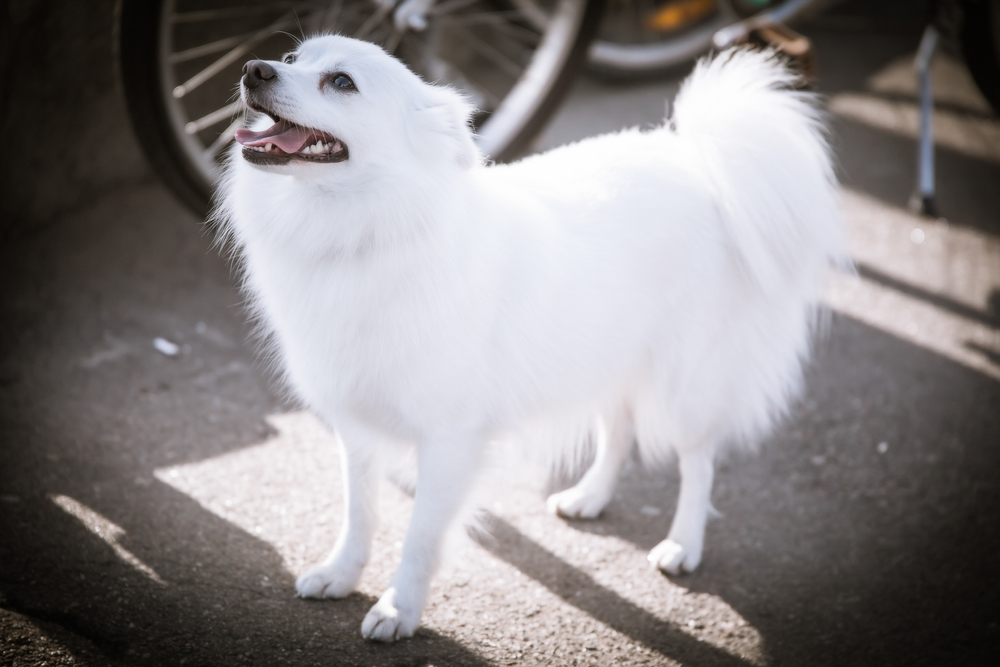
{"x": 107, "y": 530}
{"x": 531, "y": 572}
{"x": 930, "y": 283}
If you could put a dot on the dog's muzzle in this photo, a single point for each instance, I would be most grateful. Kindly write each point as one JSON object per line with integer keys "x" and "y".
{"x": 285, "y": 140}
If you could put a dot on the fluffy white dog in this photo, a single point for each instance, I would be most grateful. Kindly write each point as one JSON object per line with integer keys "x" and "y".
{"x": 660, "y": 286}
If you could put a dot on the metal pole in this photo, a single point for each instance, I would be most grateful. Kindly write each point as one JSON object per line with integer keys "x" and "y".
{"x": 925, "y": 157}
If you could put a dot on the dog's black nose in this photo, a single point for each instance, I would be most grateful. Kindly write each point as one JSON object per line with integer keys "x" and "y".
{"x": 257, "y": 72}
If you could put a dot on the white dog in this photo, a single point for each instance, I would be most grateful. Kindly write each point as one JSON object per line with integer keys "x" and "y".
{"x": 660, "y": 286}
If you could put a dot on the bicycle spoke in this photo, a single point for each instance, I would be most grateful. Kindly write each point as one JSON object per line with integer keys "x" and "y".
{"x": 538, "y": 19}
{"x": 449, "y": 6}
{"x": 524, "y": 35}
{"x": 227, "y": 13}
{"x": 204, "y": 75}
{"x": 491, "y": 101}
{"x": 213, "y": 118}
{"x": 372, "y": 21}
{"x": 489, "y": 52}
{"x": 223, "y": 140}
{"x": 206, "y": 49}
{"x": 442, "y": 66}
{"x": 331, "y": 16}
{"x": 395, "y": 37}
{"x": 486, "y": 16}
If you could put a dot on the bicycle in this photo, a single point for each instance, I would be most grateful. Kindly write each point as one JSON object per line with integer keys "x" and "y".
{"x": 181, "y": 59}
{"x": 641, "y": 38}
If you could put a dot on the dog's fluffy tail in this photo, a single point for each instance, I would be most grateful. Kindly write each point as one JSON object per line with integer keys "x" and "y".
{"x": 766, "y": 160}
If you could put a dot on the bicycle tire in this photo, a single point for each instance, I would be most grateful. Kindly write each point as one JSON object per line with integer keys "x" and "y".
{"x": 147, "y": 31}
{"x": 622, "y": 49}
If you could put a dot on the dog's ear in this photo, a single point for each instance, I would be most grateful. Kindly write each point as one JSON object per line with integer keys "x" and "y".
{"x": 446, "y": 113}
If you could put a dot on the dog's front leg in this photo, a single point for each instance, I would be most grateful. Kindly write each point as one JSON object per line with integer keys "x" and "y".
{"x": 338, "y": 575}
{"x": 681, "y": 551}
{"x": 445, "y": 470}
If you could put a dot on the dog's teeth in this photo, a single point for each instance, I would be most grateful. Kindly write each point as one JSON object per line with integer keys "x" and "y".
{"x": 269, "y": 146}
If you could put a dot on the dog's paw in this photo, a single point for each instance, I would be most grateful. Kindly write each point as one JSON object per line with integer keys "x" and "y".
{"x": 672, "y": 558}
{"x": 385, "y": 622}
{"x": 329, "y": 580}
{"x": 576, "y": 503}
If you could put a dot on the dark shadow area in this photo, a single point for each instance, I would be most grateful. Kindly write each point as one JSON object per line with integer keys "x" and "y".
{"x": 992, "y": 355}
{"x": 841, "y": 69}
{"x": 937, "y": 300}
{"x": 227, "y": 598}
{"x": 888, "y": 17}
{"x": 839, "y": 554}
{"x": 966, "y": 186}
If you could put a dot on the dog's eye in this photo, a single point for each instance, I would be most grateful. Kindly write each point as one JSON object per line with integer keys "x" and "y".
{"x": 288, "y": 59}
{"x": 343, "y": 82}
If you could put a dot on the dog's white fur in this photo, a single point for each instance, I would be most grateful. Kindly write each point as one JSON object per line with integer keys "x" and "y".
{"x": 660, "y": 285}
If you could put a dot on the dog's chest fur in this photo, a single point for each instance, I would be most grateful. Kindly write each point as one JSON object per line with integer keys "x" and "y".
{"x": 372, "y": 334}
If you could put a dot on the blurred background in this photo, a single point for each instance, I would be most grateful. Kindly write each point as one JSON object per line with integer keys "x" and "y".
{"x": 158, "y": 494}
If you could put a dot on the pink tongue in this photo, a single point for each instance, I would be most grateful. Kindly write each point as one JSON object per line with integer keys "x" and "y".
{"x": 289, "y": 138}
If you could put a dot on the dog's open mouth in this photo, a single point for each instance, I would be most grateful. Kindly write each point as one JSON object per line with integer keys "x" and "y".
{"x": 285, "y": 141}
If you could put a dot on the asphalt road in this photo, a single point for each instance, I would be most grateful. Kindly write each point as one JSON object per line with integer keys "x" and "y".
{"x": 155, "y": 509}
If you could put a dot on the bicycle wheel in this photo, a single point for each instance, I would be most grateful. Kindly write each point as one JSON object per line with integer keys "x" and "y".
{"x": 181, "y": 61}
{"x": 648, "y": 37}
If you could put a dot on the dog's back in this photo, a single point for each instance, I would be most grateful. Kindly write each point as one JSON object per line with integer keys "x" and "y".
{"x": 705, "y": 247}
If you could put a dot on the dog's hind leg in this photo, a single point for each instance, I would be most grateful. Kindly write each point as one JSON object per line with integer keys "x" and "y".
{"x": 681, "y": 551}
{"x": 586, "y": 500}
{"x": 338, "y": 575}
{"x": 446, "y": 469}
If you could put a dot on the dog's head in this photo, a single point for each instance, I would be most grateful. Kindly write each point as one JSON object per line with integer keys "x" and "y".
{"x": 338, "y": 106}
